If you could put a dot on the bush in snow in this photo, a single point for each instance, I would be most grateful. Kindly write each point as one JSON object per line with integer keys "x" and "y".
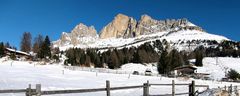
{"x": 233, "y": 74}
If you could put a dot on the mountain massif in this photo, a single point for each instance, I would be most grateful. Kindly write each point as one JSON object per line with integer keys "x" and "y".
{"x": 128, "y": 27}
{"x": 126, "y": 31}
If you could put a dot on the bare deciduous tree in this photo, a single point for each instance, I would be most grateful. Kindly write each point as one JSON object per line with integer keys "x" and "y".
{"x": 38, "y": 41}
{"x": 26, "y": 42}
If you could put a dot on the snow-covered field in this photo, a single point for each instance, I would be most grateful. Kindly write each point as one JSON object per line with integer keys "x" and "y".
{"x": 217, "y": 66}
{"x": 18, "y": 74}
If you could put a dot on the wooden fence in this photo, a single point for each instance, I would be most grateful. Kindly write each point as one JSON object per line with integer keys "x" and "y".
{"x": 146, "y": 86}
{"x": 231, "y": 90}
{"x": 105, "y": 70}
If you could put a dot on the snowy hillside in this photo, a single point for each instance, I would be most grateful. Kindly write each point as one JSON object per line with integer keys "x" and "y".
{"x": 172, "y": 37}
{"x": 193, "y": 35}
{"x": 218, "y": 66}
{"x": 18, "y": 74}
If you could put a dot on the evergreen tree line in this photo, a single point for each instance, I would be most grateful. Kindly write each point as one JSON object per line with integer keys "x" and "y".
{"x": 224, "y": 49}
{"x": 114, "y": 58}
{"x": 168, "y": 61}
{"x": 149, "y": 52}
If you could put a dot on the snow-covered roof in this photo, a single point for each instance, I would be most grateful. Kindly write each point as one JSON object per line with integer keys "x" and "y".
{"x": 17, "y": 51}
{"x": 189, "y": 66}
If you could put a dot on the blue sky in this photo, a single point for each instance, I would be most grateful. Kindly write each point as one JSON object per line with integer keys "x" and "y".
{"x": 52, "y": 17}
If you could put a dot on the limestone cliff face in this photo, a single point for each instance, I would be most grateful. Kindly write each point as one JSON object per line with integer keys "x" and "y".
{"x": 121, "y": 26}
{"x": 82, "y": 30}
{"x": 127, "y": 27}
{"x": 65, "y": 39}
{"x": 76, "y": 35}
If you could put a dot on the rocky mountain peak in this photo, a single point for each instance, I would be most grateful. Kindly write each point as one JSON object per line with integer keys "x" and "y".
{"x": 145, "y": 18}
{"x": 75, "y": 36}
{"x": 120, "y": 16}
{"x": 83, "y": 30}
{"x": 119, "y": 27}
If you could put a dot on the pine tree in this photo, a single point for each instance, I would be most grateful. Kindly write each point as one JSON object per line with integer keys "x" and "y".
{"x": 184, "y": 57}
{"x": 45, "y": 51}
{"x": 136, "y": 57}
{"x": 175, "y": 60}
{"x": 199, "y": 55}
{"x": 2, "y": 49}
{"x": 88, "y": 60}
{"x": 97, "y": 61}
{"x": 233, "y": 74}
{"x": 114, "y": 61}
{"x": 163, "y": 63}
{"x": 56, "y": 54}
{"x": 120, "y": 55}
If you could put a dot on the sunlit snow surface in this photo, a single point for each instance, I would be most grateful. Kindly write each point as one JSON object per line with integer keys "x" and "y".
{"x": 51, "y": 77}
{"x": 173, "y": 37}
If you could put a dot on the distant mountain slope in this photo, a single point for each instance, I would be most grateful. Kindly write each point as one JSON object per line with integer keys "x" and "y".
{"x": 125, "y": 31}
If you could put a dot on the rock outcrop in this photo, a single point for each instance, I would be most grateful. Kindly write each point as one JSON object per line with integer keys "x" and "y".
{"x": 76, "y": 35}
{"x": 82, "y": 30}
{"x": 127, "y": 27}
{"x": 121, "y": 26}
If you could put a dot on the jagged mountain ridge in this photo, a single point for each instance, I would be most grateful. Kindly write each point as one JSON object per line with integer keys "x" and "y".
{"x": 126, "y": 31}
{"x": 77, "y": 35}
{"x": 128, "y": 27}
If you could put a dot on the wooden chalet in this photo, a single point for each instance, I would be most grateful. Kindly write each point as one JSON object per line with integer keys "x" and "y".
{"x": 185, "y": 70}
{"x": 18, "y": 54}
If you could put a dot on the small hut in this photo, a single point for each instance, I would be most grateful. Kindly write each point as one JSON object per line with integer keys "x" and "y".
{"x": 185, "y": 70}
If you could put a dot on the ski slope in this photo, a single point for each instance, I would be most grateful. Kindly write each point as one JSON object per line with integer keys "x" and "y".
{"x": 18, "y": 74}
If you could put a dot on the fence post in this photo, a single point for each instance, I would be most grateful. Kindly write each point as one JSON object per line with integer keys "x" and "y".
{"x": 193, "y": 88}
{"x": 38, "y": 89}
{"x": 230, "y": 89}
{"x": 108, "y": 88}
{"x": 173, "y": 88}
{"x": 28, "y": 91}
{"x": 235, "y": 90}
{"x": 146, "y": 89}
{"x": 190, "y": 89}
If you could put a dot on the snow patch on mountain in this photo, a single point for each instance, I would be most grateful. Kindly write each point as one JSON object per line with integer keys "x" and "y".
{"x": 174, "y": 38}
{"x": 193, "y": 35}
